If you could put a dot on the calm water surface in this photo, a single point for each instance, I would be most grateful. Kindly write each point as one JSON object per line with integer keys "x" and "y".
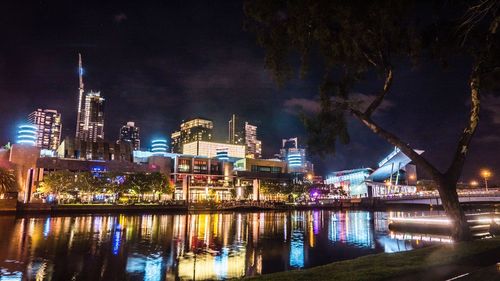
{"x": 157, "y": 247}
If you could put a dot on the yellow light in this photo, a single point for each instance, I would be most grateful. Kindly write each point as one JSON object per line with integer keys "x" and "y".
{"x": 485, "y": 173}
{"x": 474, "y": 183}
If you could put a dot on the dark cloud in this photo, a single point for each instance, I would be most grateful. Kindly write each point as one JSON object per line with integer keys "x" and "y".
{"x": 118, "y": 18}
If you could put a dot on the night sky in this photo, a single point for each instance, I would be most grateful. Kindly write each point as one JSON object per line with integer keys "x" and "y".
{"x": 165, "y": 61}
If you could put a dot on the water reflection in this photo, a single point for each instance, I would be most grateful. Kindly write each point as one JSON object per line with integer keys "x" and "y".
{"x": 190, "y": 246}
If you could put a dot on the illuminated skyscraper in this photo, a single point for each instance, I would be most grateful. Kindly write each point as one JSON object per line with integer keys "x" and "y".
{"x": 129, "y": 133}
{"x": 253, "y": 145}
{"x": 48, "y": 123}
{"x": 196, "y": 129}
{"x": 90, "y": 118}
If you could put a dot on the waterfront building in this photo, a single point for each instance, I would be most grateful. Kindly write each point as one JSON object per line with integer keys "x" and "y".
{"x": 213, "y": 149}
{"x": 196, "y": 129}
{"x": 49, "y": 126}
{"x": 394, "y": 175}
{"x": 129, "y": 134}
{"x": 90, "y": 116}
{"x": 27, "y": 135}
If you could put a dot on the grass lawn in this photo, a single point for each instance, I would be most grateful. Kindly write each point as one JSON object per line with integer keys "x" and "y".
{"x": 383, "y": 266}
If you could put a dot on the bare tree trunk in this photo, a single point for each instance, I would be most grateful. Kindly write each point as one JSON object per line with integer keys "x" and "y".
{"x": 460, "y": 230}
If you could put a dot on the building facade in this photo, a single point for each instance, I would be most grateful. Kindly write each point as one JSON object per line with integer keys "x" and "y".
{"x": 394, "y": 175}
{"x": 295, "y": 157}
{"x": 90, "y": 116}
{"x": 214, "y": 149}
{"x": 49, "y": 126}
{"x": 129, "y": 134}
{"x": 86, "y": 150}
{"x": 196, "y": 129}
{"x": 253, "y": 145}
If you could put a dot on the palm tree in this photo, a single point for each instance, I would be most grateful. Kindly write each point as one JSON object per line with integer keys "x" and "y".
{"x": 8, "y": 181}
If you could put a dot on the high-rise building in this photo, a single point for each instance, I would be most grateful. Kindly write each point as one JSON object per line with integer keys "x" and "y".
{"x": 129, "y": 133}
{"x": 246, "y": 134}
{"x": 90, "y": 117}
{"x": 48, "y": 123}
{"x": 236, "y": 131}
{"x": 196, "y": 129}
{"x": 295, "y": 157}
{"x": 253, "y": 145}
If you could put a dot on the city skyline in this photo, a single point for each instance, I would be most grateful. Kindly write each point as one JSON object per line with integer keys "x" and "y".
{"x": 160, "y": 85}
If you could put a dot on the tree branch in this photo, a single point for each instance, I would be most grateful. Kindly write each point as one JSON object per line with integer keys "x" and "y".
{"x": 456, "y": 166}
{"x": 394, "y": 140}
{"x": 380, "y": 97}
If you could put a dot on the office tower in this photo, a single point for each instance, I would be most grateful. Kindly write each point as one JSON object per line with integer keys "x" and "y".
{"x": 236, "y": 131}
{"x": 48, "y": 123}
{"x": 129, "y": 133}
{"x": 295, "y": 157}
{"x": 246, "y": 134}
{"x": 253, "y": 145}
{"x": 196, "y": 129}
{"x": 27, "y": 134}
{"x": 90, "y": 118}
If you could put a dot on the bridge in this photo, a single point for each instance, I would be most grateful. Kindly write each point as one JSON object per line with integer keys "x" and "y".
{"x": 465, "y": 197}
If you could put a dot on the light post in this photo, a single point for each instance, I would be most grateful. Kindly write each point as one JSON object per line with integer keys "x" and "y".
{"x": 485, "y": 173}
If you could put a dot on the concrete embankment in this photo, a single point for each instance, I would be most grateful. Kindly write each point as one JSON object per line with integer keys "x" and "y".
{"x": 37, "y": 208}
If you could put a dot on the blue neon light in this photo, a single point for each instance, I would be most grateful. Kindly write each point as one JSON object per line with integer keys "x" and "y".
{"x": 27, "y": 134}
{"x": 159, "y": 147}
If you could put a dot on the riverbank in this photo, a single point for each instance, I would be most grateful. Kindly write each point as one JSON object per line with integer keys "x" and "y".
{"x": 418, "y": 264}
{"x": 12, "y": 206}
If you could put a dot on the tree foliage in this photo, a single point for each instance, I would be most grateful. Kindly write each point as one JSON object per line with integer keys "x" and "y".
{"x": 58, "y": 182}
{"x": 8, "y": 181}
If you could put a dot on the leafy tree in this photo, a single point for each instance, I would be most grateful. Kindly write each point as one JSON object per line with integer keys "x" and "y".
{"x": 354, "y": 38}
{"x": 160, "y": 183}
{"x": 8, "y": 181}
{"x": 86, "y": 182}
{"x": 139, "y": 183}
{"x": 113, "y": 182}
{"x": 58, "y": 182}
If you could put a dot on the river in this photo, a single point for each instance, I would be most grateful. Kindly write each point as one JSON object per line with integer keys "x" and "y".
{"x": 156, "y": 247}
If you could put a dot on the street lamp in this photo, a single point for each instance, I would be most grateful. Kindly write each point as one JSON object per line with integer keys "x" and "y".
{"x": 474, "y": 183}
{"x": 485, "y": 173}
